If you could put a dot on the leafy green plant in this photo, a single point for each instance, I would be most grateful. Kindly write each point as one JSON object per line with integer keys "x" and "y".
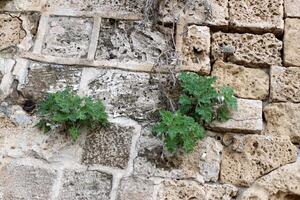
{"x": 70, "y": 112}
{"x": 199, "y": 104}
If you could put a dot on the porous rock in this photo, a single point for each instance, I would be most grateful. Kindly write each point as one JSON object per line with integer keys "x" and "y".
{"x": 291, "y": 48}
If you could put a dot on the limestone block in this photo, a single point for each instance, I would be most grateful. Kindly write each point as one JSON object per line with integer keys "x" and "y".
{"x": 186, "y": 190}
{"x": 291, "y": 48}
{"x": 285, "y": 84}
{"x": 124, "y": 41}
{"x": 19, "y": 181}
{"x": 281, "y": 184}
{"x": 247, "y": 49}
{"x": 68, "y": 37}
{"x": 91, "y": 185}
{"x": 252, "y": 156}
{"x": 292, "y": 8}
{"x": 43, "y": 78}
{"x": 211, "y": 12}
{"x": 134, "y": 188}
{"x": 247, "y": 83}
{"x": 283, "y": 119}
{"x": 246, "y": 119}
{"x": 110, "y": 146}
{"x": 259, "y": 16}
{"x": 19, "y": 5}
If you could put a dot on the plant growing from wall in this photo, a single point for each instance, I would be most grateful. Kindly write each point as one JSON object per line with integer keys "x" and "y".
{"x": 68, "y": 111}
{"x": 200, "y": 103}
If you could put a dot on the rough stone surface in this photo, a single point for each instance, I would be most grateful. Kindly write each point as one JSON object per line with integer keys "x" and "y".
{"x": 291, "y": 48}
{"x": 19, "y": 5}
{"x": 252, "y": 156}
{"x": 128, "y": 41}
{"x": 247, "y": 118}
{"x": 247, "y": 82}
{"x": 171, "y": 190}
{"x": 18, "y": 181}
{"x": 285, "y": 84}
{"x": 257, "y": 16}
{"x": 68, "y": 37}
{"x": 292, "y": 8}
{"x": 281, "y": 184}
{"x": 283, "y": 119}
{"x": 247, "y": 49}
{"x": 135, "y": 189}
{"x": 214, "y": 12}
{"x": 85, "y": 185}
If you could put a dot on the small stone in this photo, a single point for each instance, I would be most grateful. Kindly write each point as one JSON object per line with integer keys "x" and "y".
{"x": 20, "y": 116}
{"x": 252, "y": 156}
{"x": 291, "y": 48}
{"x": 250, "y": 50}
{"x": 246, "y": 119}
{"x": 247, "y": 83}
{"x": 285, "y": 84}
{"x": 292, "y": 8}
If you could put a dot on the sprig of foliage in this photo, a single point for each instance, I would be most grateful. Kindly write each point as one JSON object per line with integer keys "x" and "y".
{"x": 199, "y": 104}
{"x": 69, "y": 111}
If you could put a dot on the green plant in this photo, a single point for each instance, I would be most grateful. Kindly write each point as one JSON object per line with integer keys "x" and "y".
{"x": 70, "y": 112}
{"x": 199, "y": 104}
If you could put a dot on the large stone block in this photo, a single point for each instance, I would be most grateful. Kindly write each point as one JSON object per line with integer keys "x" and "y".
{"x": 252, "y": 156}
{"x": 92, "y": 185}
{"x": 186, "y": 190}
{"x": 19, "y": 5}
{"x": 259, "y": 16}
{"x": 68, "y": 37}
{"x": 18, "y": 181}
{"x": 285, "y": 84}
{"x": 247, "y": 83}
{"x": 282, "y": 183}
{"x": 247, "y": 49}
{"x": 291, "y": 49}
{"x": 283, "y": 119}
{"x": 292, "y": 8}
{"x": 210, "y": 12}
{"x": 246, "y": 119}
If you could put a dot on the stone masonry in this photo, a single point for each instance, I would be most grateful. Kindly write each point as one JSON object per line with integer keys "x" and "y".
{"x": 121, "y": 52}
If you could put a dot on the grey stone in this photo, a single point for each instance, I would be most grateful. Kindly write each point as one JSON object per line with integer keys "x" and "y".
{"x": 19, "y": 5}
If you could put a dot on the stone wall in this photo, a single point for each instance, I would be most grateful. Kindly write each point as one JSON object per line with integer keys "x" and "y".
{"x": 120, "y": 51}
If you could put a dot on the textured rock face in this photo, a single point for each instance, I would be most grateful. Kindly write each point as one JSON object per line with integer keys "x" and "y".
{"x": 257, "y": 15}
{"x": 19, "y": 5}
{"x": 171, "y": 190}
{"x": 292, "y": 8}
{"x": 85, "y": 185}
{"x": 18, "y": 181}
{"x": 283, "y": 119}
{"x": 247, "y": 82}
{"x": 247, "y": 118}
{"x": 213, "y": 12}
{"x": 285, "y": 84}
{"x": 247, "y": 49}
{"x": 281, "y": 184}
{"x": 292, "y": 48}
{"x": 68, "y": 37}
{"x": 135, "y": 189}
{"x": 252, "y": 156}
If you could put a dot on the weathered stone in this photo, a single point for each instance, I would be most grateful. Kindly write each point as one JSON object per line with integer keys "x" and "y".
{"x": 186, "y": 190}
{"x": 247, "y": 49}
{"x": 91, "y": 185}
{"x": 285, "y": 84}
{"x": 54, "y": 78}
{"x": 291, "y": 48}
{"x": 110, "y": 146}
{"x": 125, "y": 41}
{"x": 283, "y": 119}
{"x": 6, "y": 69}
{"x": 247, "y": 83}
{"x": 292, "y": 8}
{"x": 68, "y": 37}
{"x": 18, "y": 181}
{"x": 258, "y": 16}
{"x": 195, "y": 48}
{"x": 134, "y": 188}
{"x": 246, "y": 119}
{"x": 281, "y": 184}
{"x": 252, "y": 156}
{"x": 19, "y": 5}
{"x": 214, "y": 12}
